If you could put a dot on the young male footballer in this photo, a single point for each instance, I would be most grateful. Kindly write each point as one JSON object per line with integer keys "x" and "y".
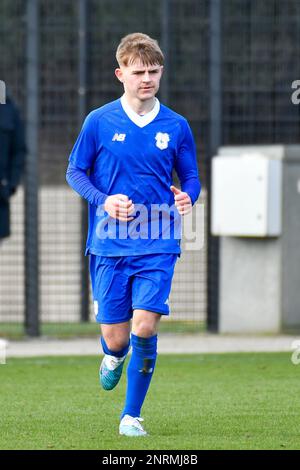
{"x": 122, "y": 165}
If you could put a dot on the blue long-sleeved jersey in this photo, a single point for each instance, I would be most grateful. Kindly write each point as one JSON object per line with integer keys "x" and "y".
{"x": 120, "y": 152}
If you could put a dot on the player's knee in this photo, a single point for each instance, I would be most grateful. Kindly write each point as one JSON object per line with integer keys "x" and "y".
{"x": 116, "y": 344}
{"x": 145, "y": 329}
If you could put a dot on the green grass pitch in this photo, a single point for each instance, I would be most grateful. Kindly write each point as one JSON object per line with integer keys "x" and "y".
{"x": 207, "y": 401}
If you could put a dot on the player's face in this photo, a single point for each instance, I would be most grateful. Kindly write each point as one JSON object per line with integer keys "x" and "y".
{"x": 140, "y": 81}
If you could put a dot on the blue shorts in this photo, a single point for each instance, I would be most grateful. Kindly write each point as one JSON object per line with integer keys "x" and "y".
{"x": 121, "y": 284}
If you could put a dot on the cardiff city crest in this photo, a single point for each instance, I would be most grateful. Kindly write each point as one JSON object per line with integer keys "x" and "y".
{"x": 162, "y": 140}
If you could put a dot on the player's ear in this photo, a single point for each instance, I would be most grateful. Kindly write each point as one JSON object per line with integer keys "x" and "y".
{"x": 119, "y": 74}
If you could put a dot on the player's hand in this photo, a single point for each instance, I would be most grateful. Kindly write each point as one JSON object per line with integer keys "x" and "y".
{"x": 120, "y": 207}
{"x": 182, "y": 201}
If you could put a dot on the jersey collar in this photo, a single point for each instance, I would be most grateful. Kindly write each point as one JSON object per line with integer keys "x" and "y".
{"x": 140, "y": 121}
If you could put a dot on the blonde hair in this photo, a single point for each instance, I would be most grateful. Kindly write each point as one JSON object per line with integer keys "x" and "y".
{"x": 139, "y": 46}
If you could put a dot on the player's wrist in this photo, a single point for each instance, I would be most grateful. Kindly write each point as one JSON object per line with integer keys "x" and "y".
{"x": 189, "y": 198}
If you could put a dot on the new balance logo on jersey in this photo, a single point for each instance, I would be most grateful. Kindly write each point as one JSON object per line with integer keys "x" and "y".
{"x": 162, "y": 140}
{"x": 119, "y": 137}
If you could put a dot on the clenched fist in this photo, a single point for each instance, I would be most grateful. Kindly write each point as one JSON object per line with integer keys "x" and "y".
{"x": 182, "y": 201}
{"x": 120, "y": 207}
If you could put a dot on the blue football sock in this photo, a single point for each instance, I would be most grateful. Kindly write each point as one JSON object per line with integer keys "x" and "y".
{"x": 120, "y": 353}
{"x": 139, "y": 373}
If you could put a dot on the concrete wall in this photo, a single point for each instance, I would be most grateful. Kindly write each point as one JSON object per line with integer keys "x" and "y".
{"x": 250, "y": 277}
{"x": 260, "y": 277}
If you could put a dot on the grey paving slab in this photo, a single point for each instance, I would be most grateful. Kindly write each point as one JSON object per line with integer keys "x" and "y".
{"x": 168, "y": 343}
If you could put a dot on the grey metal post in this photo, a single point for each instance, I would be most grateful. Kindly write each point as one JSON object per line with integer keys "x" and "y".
{"x": 165, "y": 40}
{"x": 31, "y": 174}
{"x": 215, "y": 140}
{"x": 82, "y": 109}
{"x": 215, "y": 76}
